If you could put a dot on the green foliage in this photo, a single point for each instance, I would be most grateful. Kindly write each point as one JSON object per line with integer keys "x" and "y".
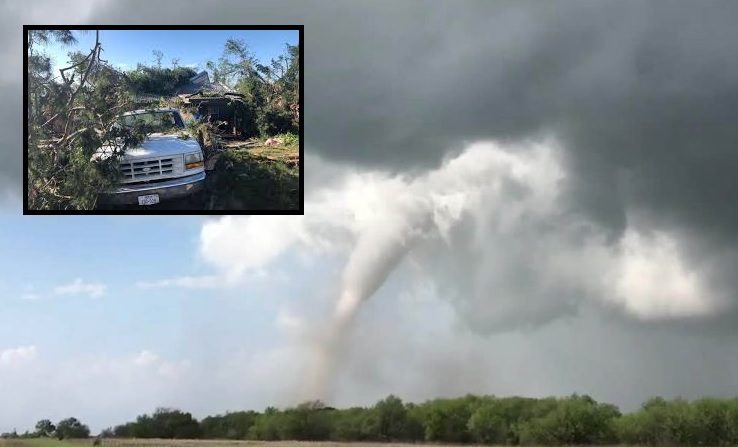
{"x": 272, "y": 121}
{"x": 246, "y": 116}
{"x": 289, "y": 138}
{"x": 272, "y": 91}
{"x": 706, "y": 421}
{"x": 71, "y": 428}
{"x": 158, "y": 81}
{"x": 235, "y": 63}
{"x": 234, "y": 425}
{"x": 69, "y": 117}
{"x": 712, "y": 421}
{"x": 574, "y": 420}
{"x": 447, "y": 421}
{"x": 243, "y": 180}
{"x": 353, "y": 424}
{"x": 163, "y": 423}
{"x": 488, "y": 424}
{"x": 309, "y": 421}
{"x": 391, "y": 418}
{"x": 267, "y": 426}
{"x": 45, "y": 428}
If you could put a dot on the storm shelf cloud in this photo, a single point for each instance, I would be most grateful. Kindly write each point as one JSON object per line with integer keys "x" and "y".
{"x": 550, "y": 187}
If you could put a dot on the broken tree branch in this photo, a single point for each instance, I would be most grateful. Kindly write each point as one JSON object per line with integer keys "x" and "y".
{"x": 62, "y": 70}
{"x": 57, "y": 115}
{"x": 95, "y": 53}
{"x": 69, "y": 138}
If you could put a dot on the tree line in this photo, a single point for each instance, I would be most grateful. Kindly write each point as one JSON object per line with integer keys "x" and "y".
{"x": 69, "y": 428}
{"x": 490, "y": 420}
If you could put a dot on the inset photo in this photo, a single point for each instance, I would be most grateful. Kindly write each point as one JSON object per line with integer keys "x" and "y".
{"x": 163, "y": 120}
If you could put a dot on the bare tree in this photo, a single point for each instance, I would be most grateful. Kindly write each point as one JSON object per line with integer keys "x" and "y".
{"x": 158, "y": 55}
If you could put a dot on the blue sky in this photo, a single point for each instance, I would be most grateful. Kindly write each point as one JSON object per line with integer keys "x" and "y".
{"x": 113, "y": 252}
{"x": 137, "y": 303}
{"x": 109, "y": 311}
{"x": 126, "y": 48}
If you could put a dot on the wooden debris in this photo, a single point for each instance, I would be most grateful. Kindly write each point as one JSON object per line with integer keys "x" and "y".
{"x": 210, "y": 162}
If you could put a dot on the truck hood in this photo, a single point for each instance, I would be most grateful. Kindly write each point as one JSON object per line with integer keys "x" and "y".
{"x": 157, "y": 145}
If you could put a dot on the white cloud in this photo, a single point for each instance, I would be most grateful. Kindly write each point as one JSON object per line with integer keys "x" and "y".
{"x": 145, "y": 358}
{"x": 79, "y": 287}
{"x": 189, "y": 282}
{"x": 220, "y": 281}
{"x": 30, "y": 296}
{"x": 255, "y": 245}
{"x": 19, "y": 356}
{"x": 651, "y": 280}
{"x": 496, "y": 224}
{"x": 164, "y": 368}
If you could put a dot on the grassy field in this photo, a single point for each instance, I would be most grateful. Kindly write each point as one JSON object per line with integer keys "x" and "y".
{"x": 254, "y": 177}
{"x": 41, "y": 442}
{"x": 189, "y": 443}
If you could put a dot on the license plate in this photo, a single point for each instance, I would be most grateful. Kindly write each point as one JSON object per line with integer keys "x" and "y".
{"x": 150, "y": 199}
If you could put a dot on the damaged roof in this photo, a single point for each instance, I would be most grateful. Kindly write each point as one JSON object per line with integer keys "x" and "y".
{"x": 201, "y": 82}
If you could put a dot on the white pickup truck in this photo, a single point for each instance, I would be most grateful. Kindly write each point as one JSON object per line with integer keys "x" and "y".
{"x": 165, "y": 166}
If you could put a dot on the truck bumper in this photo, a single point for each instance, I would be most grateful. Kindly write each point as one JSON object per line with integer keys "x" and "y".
{"x": 167, "y": 190}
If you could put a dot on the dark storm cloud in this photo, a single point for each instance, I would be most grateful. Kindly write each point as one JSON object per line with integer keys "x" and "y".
{"x": 636, "y": 88}
{"x": 642, "y": 95}
{"x": 589, "y": 354}
{"x": 11, "y": 111}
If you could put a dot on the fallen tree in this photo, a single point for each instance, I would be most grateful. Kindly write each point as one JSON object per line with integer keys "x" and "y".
{"x": 70, "y": 116}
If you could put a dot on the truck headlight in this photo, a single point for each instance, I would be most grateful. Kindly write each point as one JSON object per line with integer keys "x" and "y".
{"x": 193, "y": 160}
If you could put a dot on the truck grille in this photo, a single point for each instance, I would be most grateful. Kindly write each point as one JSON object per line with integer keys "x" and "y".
{"x": 147, "y": 169}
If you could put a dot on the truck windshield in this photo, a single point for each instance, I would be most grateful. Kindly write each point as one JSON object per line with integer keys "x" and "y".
{"x": 157, "y": 121}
